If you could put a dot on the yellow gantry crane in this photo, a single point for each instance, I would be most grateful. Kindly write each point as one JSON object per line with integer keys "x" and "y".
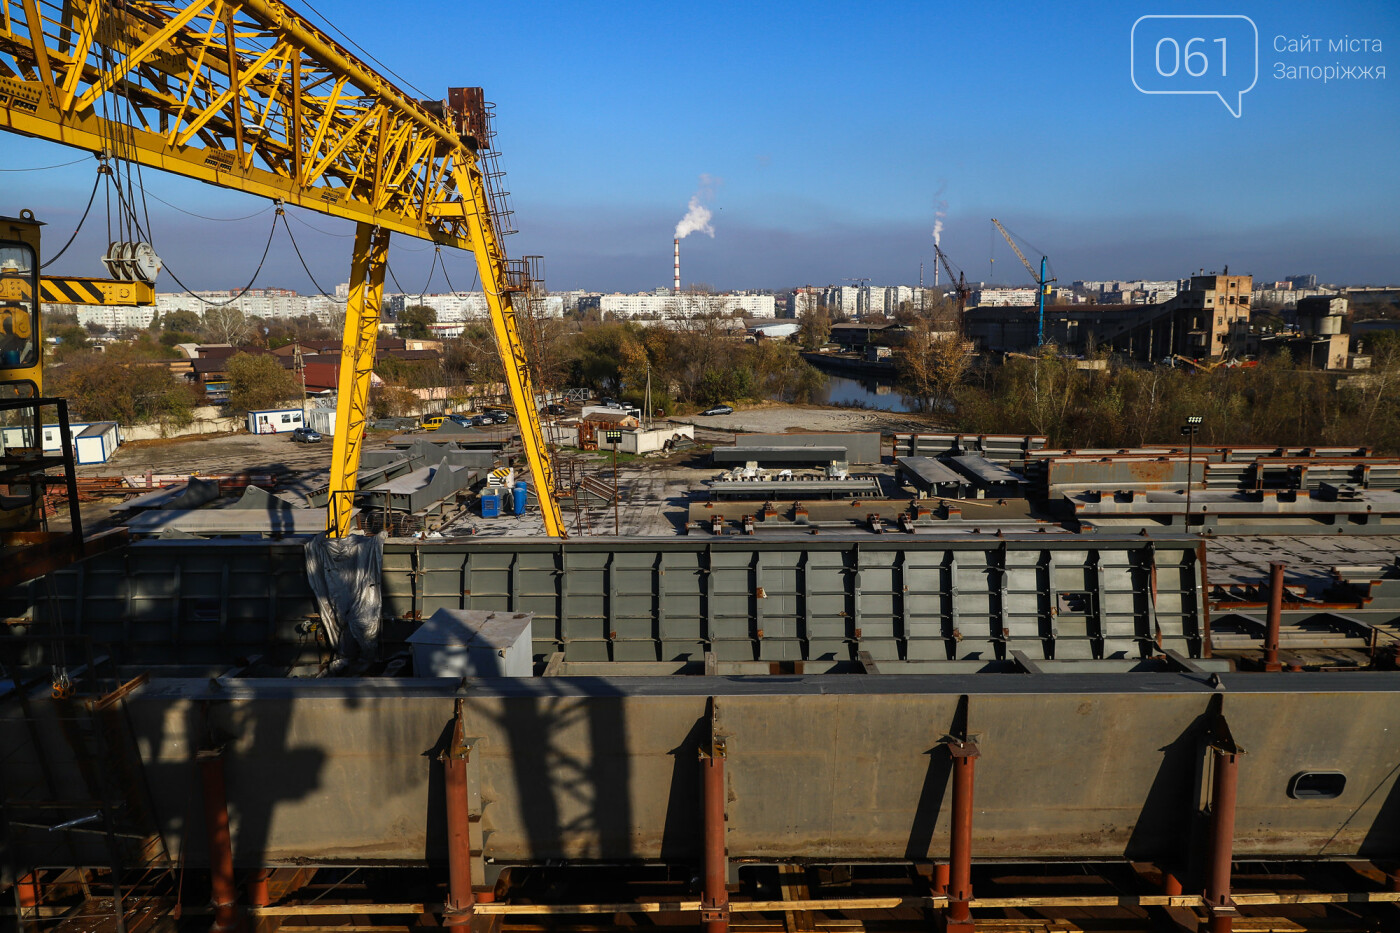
{"x": 251, "y": 96}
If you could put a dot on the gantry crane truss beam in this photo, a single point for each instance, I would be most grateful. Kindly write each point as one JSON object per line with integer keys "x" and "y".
{"x": 250, "y": 96}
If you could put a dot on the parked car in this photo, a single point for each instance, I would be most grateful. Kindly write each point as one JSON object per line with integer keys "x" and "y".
{"x": 432, "y": 422}
{"x": 482, "y": 421}
{"x": 554, "y": 410}
{"x": 718, "y": 410}
{"x": 306, "y": 436}
{"x": 610, "y": 403}
{"x": 498, "y": 415}
{"x": 464, "y": 420}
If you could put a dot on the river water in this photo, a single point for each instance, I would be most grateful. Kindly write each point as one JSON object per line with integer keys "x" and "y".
{"x": 863, "y": 392}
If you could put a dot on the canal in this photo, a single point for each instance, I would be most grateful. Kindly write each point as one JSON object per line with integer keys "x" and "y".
{"x": 863, "y": 392}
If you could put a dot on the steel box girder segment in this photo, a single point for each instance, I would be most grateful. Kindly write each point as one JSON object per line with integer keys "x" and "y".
{"x": 839, "y": 768}
{"x": 329, "y": 133}
{"x": 207, "y": 601}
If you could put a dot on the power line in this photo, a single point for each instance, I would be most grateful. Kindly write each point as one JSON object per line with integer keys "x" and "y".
{"x": 44, "y": 168}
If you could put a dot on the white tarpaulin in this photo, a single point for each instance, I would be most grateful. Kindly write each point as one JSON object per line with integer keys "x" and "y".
{"x": 345, "y": 576}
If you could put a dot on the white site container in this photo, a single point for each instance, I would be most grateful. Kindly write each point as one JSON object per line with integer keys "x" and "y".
{"x": 473, "y": 643}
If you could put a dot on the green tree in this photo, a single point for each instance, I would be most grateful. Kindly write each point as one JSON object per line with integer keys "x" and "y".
{"x": 115, "y": 386}
{"x": 414, "y": 321}
{"x": 181, "y": 320}
{"x": 257, "y": 381}
{"x": 72, "y": 340}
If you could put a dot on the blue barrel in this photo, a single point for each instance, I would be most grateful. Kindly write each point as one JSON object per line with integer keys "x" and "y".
{"x": 522, "y": 495}
{"x": 490, "y": 505}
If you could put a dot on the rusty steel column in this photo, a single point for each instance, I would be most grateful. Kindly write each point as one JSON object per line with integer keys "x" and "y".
{"x": 460, "y": 900}
{"x": 940, "y": 878}
{"x": 714, "y": 900}
{"x": 28, "y": 890}
{"x": 1171, "y": 884}
{"x": 223, "y": 888}
{"x": 258, "y": 894}
{"x": 959, "y": 918}
{"x": 1275, "y": 617}
{"x": 1222, "y": 836}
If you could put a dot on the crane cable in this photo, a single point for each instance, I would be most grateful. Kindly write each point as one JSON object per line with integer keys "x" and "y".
{"x": 97, "y": 180}
{"x": 302, "y": 259}
{"x": 131, "y": 213}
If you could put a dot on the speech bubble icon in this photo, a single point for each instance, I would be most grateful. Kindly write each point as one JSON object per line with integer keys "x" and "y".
{"x": 1173, "y": 53}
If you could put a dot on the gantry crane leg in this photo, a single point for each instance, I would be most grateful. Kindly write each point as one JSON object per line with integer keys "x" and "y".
{"x": 490, "y": 262}
{"x": 362, "y": 312}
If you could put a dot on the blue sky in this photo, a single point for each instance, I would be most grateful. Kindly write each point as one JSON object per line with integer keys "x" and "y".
{"x": 837, "y": 129}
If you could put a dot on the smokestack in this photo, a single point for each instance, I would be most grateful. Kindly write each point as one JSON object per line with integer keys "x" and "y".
{"x": 935, "y": 271}
{"x": 678, "y": 266}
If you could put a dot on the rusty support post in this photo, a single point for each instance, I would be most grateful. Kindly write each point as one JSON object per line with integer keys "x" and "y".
{"x": 258, "y": 894}
{"x": 460, "y": 899}
{"x": 28, "y": 890}
{"x": 1171, "y": 884}
{"x": 714, "y": 901}
{"x": 940, "y": 878}
{"x": 965, "y": 755}
{"x": 223, "y": 888}
{"x": 1275, "y": 617}
{"x": 1222, "y": 835}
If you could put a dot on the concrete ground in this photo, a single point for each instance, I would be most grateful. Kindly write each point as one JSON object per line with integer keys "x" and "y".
{"x": 656, "y": 491}
{"x": 777, "y": 419}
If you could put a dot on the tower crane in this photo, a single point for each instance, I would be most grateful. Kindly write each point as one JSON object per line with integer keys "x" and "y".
{"x": 958, "y": 280}
{"x": 251, "y": 96}
{"x": 1042, "y": 283}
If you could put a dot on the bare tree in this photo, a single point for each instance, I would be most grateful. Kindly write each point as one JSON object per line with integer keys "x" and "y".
{"x": 227, "y": 325}
{"x": 933, "y": 363}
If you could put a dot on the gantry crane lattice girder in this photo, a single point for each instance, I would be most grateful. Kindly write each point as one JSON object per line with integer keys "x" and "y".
{"x": 251, "y": 96}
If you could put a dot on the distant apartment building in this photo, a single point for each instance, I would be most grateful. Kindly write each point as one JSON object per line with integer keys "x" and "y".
{"x": 687, "y": 305}
{"x": 1002, "y": 297}
{"x": 1302, "y": 281}
{"x": 1289, "y": 296}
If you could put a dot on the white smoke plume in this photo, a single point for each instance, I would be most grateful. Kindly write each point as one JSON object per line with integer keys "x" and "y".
{"x": 697, "y": 217}
{"x": 940, "y": 210}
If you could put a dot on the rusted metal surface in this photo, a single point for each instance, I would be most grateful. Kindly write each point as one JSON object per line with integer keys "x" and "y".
{"x": 216, "y": 827}
{"x": 1225, "y": 755}
{"x": 714, "y": 904}
{"x": 964, "y": 754}
{"x": 459, "y": 847}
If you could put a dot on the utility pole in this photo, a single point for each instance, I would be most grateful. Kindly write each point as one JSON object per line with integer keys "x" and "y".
{"x": 300, "y": 364}
{"x": 1190, "y": 429}
{"x": 613, "y": 437}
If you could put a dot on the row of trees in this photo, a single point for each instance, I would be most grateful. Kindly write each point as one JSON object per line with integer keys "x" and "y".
{"x": 1277, "y": 402}
{"x": 700, "y": 362}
